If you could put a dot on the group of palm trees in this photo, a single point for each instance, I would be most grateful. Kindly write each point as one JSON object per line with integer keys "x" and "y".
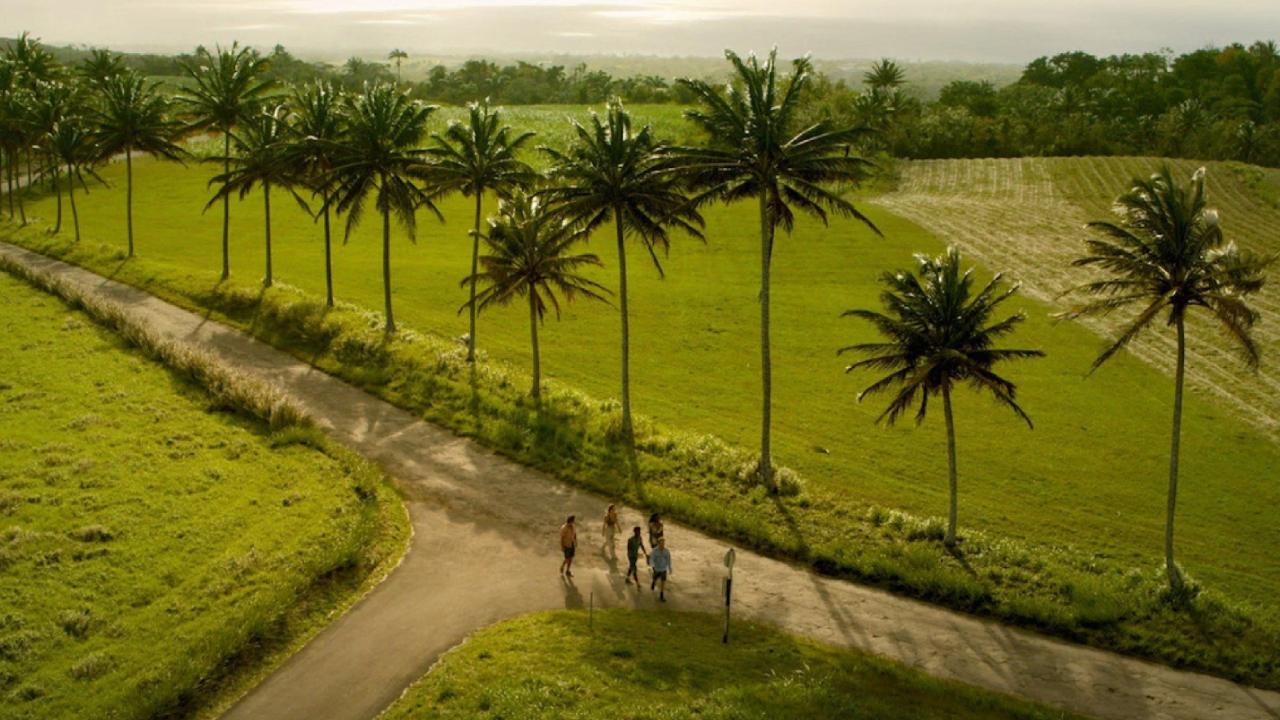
{"x": 335, "y": 153}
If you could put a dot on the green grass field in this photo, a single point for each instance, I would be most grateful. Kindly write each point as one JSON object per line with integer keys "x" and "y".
{"x": 153, "y": 542}
{"x": 646, "y": 664}
{"x": 1090, "y": 477}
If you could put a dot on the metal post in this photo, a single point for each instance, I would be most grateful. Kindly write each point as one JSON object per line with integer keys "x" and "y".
{"x": 591, "y": 612}
{"x": 729, "y": 558}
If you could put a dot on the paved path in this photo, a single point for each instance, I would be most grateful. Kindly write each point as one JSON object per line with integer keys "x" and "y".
{"x": 485, "y": 548}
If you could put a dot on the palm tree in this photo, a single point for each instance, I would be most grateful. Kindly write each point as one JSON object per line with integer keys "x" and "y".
{"x": 318, "y": 126}
{"x": 938, "y": 334}
{"x": 12, "y": 130}
{"x": 379, "y": 155}
{"x": 227, "y": 87}
{"x": 475, "y": 158}
{"x": 260, "y": 160}
{"x": 71, "y": 145}
{"x": 884, "y": 77}
{"x": 757, "y": 149}
{"x": 133, "y": 116}
{"x": 100, "y": 67}
{"x": 50, "y": 106}
{"x": 613, "y": 174}
{"x": 396, "y": 56}
{"x": 530, "y": 255}
{"x": 1167, "y": 255}
{"x": 34, "y": 65}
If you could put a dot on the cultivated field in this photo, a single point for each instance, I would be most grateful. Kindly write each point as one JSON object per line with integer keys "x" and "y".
{"x": 1025, "y": 216}
{"x": 151, "y": 536}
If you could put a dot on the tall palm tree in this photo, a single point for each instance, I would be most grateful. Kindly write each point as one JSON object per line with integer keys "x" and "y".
{"x": 938, "y": 333}
{"x": 396, "y": 56}
{"x": 474, "y": 158}
{"x": 758, "y": 149}
{"x": 1167, "y": 255}
{"x": 379, "y": 156}
{"x": 12, "y": 129}
{"x": 34, "y": 65}
{"x": 261, "y": 144}
{"x": 50, "y": 106}
{"x": 530, "y": 255}
{"x": 611, "y": 173}
{"x": 318, "y": 127}
{"x": 133, "y": 117}
{"x": 71, "y": 145}
{"x": 100, "y": 67}
{"x": 228, "y": 85}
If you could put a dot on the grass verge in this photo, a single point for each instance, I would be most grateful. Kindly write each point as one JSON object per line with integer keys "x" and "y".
{"x": 651, "y": 664}
{"x": 704, "y": 482}
{"x": 172, "y": 532}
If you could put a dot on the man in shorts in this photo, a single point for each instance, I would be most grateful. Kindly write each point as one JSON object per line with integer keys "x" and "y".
{"x": 660, "y": 559}
{"x": 635, "y": 546}
{"x": 568, "y": 545}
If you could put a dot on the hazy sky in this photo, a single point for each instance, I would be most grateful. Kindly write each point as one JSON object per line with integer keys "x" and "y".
{"x": 992, "y": 30}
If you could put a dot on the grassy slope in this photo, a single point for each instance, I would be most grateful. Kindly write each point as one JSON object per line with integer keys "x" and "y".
{"x": 647, "y": 664}
{"x": 138, "y": 520}
{"x": 1090, "y": 474}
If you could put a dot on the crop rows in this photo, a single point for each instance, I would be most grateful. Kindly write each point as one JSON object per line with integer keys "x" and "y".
{"x": 1024, "y": 216}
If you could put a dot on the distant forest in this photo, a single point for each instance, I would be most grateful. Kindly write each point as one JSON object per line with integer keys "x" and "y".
{"x": 1213, "y": 103}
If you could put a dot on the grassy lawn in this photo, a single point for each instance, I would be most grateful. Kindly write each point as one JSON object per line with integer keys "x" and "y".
{"x": 648, "y": 664}
{"x": 1080, "y": 496}
{"x": 155, "y": 544}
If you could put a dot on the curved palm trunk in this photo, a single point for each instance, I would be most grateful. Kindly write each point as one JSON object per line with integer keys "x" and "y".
{"x": 57, "y": 191}
{"x": 1175, "y": 577}
{"x": 22, "y": 210}
{"x": 386, "y": 268}
{"x": 71, "y": 195}
{"x": 537, "y": 360}
{"x": 475, "y": 267}
{"x": 266, "y": 207}
{"x": 128, "y": 195}
{"x": 11, "y": 175}
{"x": 951, "y": 466}
{"x": 226, "y": 205}
{"x": 766, "y": 364}
{"x": 627, "y": 431}
{"x": 328, "y": 255}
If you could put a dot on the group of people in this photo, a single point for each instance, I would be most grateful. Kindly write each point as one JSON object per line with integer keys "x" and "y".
{"x": 657, "y": 555}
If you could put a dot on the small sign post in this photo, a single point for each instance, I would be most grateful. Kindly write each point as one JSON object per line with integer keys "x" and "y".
{"x": 729, "y": 558}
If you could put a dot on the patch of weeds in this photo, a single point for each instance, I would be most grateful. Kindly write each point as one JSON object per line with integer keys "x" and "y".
{"x": 92, "y": 534}
{"x": 92, "y": 666}
{"x": 77, "y": 623}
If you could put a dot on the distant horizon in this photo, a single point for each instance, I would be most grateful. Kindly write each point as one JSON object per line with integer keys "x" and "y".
{"x": 1002, "y": 32}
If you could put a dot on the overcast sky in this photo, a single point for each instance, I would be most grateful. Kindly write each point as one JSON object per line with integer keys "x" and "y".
{"x": 978, "y": 30}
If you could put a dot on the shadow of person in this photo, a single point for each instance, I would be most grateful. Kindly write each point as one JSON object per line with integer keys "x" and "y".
{"x": 572, "y": 596}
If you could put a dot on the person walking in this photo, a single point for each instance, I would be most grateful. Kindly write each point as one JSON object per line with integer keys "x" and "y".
{"x": 568, "y": 545}
{"x": 660, "y": 559}
{"x": 655, "y": 530}
{"x": 610, "y": 530}
{"x": 635, "y": 546}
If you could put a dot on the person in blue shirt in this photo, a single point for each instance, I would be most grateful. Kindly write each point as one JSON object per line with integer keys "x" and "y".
{"x": 660, "y": 559}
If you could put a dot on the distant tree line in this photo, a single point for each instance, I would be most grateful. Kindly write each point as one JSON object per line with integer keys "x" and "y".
{"x": 1214, "y": 103}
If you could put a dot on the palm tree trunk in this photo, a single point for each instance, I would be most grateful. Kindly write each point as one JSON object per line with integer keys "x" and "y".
{"x": 128, "y": 194}
{"x": 226, "y": 205}
{"x": 766, "y": 364}
{"x": 1175, "y": 577}
{"x": 386, "y": 268}
{"x": 537, "y": 360}
{"x": 57, "y": 190}
{"x": 22, "y": 210}
{"x": 11, "y": 175}
{"x": 475, "y": 267}
{"x": 628, "y": 433}
{"x": 71, "y": 195}
{"x": 266, "y": 207}
{"x": 951, "y": 466}
{"x": 328, "y": 255}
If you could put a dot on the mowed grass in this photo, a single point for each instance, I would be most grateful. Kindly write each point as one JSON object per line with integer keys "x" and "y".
{"x": 1092, "y": 474}
{"x": 153, "y": 544}
{"x": 647, "y": 664}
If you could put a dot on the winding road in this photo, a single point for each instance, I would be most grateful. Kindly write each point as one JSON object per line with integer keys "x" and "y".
{"x": 485, "y": 548}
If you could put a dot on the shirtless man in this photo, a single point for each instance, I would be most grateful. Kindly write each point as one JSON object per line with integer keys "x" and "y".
{"x": 568, "y": 545}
